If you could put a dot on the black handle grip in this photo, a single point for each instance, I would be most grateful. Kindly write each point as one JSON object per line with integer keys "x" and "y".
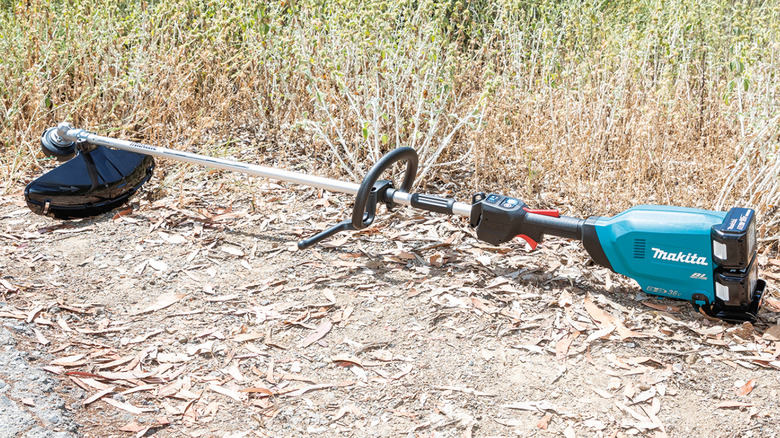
{"x": 563, "y": 226}
{"x": 432, "y": 203}
{"x": 347, "y": 225}
{"x": 499, "y": 219}
{"x": 341, "y": 226}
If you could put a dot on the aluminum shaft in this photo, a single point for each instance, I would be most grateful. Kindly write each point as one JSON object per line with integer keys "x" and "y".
{"x": 67, "y": 132}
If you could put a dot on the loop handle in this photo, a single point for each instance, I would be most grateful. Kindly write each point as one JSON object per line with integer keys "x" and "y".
{"x": 359, "y": 221}
{"x": 370, "y": 192}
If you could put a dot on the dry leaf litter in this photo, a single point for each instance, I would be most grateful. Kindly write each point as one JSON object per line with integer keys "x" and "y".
{"x": 192, "y": 313}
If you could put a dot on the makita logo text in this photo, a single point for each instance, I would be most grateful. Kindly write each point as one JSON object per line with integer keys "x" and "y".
{"x": 691, "y": 258}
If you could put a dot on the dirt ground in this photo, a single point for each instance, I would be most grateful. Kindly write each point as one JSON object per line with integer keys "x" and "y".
{"x": 193, "y": 314}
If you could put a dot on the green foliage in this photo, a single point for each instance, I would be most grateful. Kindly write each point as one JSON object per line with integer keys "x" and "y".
{"x": 371, "y": 75}
{"x": 559, "y": 43}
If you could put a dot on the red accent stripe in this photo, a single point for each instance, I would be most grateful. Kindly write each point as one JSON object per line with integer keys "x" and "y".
{"x": 551, "y": 213}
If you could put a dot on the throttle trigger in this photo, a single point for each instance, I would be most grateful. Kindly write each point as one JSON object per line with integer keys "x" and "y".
{"x": 530, "y": 241}
{"x": 551, "y": 213}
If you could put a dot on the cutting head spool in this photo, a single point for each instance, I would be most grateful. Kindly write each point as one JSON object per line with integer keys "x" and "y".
{"x": 57, "y": 147}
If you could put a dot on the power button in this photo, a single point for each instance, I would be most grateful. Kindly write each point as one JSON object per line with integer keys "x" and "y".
{"x": 510, "y": 203}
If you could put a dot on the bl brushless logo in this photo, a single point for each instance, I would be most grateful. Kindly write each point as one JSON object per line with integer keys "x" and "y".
{"x": 681, "y": 257}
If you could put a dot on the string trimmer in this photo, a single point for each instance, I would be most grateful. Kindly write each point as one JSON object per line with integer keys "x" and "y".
{"x": 705, "y": 257}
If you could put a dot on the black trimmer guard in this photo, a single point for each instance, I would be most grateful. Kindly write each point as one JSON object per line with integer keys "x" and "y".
{"x": 91, "y": 183}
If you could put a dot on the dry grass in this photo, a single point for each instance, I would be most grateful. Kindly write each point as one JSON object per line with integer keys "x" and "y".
{"x": 596, "y": 107}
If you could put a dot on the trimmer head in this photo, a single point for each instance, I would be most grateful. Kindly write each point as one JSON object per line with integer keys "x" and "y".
{"x": 57, "y": 147}
{"x": 93, "y": 182}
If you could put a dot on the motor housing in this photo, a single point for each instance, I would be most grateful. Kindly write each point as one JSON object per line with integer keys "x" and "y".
{"x": 702, "y": 256}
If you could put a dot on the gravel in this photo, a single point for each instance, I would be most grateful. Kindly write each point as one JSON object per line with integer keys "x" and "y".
{"x": 30, "y": 405}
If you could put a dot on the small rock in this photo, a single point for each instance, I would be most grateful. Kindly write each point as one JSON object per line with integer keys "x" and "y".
{"x": 21, "y": 328}
{"x": 6, "y": 338}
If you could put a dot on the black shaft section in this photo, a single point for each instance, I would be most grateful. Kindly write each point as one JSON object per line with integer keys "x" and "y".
{"x": 564, "y": 226}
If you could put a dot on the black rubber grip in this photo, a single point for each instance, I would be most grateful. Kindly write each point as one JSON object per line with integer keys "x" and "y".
{"x": 432, "y": 203}
{"x": 564, "y": 226}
